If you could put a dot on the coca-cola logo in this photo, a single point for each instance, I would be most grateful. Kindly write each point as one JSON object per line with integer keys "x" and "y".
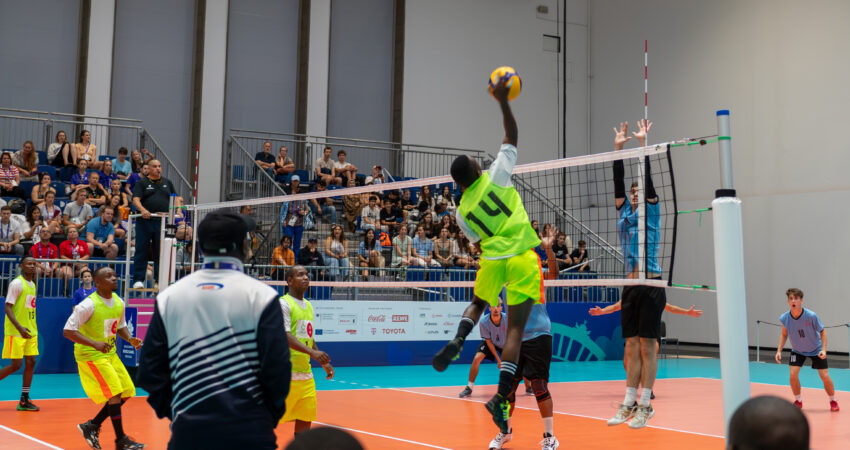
{"x": 400, "y": 318}
{"x": 393, "y": 330}
{"x": 380, "y": 318}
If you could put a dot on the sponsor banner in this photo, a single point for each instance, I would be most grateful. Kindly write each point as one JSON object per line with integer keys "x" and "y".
{"x": 128, "y": 354}
{"x": 346, "y": 321}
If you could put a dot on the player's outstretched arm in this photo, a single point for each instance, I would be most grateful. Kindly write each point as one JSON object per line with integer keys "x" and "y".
{"x": 597, "y": 311}
{"x": 500, "y": 91}
{"x": 782, "y": 337}
{"x": 620, "y": 139}
{"x": 692, "y": 311}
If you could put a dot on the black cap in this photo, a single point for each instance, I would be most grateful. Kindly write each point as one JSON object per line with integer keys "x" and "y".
{"x": 223, "y": 232}
{"x": 312, "y": 240}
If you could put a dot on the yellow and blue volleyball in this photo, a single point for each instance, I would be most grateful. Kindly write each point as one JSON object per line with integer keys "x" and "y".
{"x": 514, "y": 83}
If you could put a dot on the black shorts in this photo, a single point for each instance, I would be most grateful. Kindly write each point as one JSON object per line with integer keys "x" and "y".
{"x": 798, "y": 360}
{"x": 534, "y": 359}
{"x": 488, "y": 355}
{"x": 641, "y": 311}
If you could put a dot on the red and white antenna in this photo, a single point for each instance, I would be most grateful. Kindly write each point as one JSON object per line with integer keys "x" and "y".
{"x": 197, "y": 157}
{"x": 646, "y": 79}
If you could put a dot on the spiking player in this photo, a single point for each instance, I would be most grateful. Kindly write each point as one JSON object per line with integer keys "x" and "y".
{"x": 21, "y": 335}
{"x": 492, "y": 216}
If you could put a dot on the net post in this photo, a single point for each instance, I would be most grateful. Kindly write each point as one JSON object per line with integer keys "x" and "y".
{"x": 129, "y": 244}
{"x": 758, "y": 339}
{"x": 731, "y": 288}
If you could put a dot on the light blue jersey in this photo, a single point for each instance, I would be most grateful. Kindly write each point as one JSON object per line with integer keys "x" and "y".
{"x": 496, "y": 333}
{"x": 538, "y": 323}
{"x": 803, "y": 332}
{"x": 627, "y": 230}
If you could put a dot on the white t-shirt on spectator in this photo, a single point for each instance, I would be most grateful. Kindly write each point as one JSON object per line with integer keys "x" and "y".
{"x": 373, "y": 214}
{"x": 78, "y": 214}
{"x": 8, "y": 230}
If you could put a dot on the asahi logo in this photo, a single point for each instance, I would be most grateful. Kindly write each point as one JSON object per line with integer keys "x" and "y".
{"x": 380, "y": 318}
{"x": 400, "y": 318}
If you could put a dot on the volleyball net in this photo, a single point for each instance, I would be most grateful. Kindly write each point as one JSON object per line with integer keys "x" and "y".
{"x": 600, "y": 246}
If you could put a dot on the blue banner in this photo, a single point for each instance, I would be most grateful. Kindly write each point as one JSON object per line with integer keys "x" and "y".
{"x": 129, "y": 355}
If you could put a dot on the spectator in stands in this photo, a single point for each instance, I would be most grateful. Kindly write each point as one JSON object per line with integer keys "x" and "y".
{"x": 390, "y": 217}
{"x": 401, "y": 248}
{"x": 10, "y": 178}
{"x": 408, "y": 206}
{"x": 444, "y": 249}
{"x": 74, "y": 249}
{"x": 322, "y": 207}
{"x": 252, "y": 237}
{"x": 265, "y": 159}
{"x": 463, "y": 252}
{"x": 136, "y": 161}
{"x": 151, "y": 195}
{"x": 61, "y": 153}
{"x": 377, "y": 176}
{"x": 121, "y": 165}
{"x": 311, "y": 258}
{"x": 426, "y": 201}
{"x": 51, "y": 214}
{"x": 115, "y": 191}
{"x": 117, "y": 223}
{"x": 562, "y": 251}
{"x": 427, "y": 222}
{"x": 369, "y": 253}
{"x": 88, "y": 151}
{"x": 283, "y": 256}
{"x": 284, "y": 166}
{"x": 370, "y": 217}
{"x": 31, "y": 226}
{"x": 80, "y": 178}
{"x": 422, "y": 249}
{"x": 45, "y": 249}
{"x": 292, "y": 214}
{"x": 10, "y": 234}
{"x": 26, "y": 160}
{"x": 336, "y": 251}
{"x": 77, "y": 213}
{"x": 352, "y": 207}
{"x": 100, "y": 235}
{"x": 97, "y": 195}
{"x": 536, "y": 227}
{"x": 445, "y": 222}
{"x": 43, "y": 187}
{"x": 344, "y": 170}
{"x": 580, "y": 256}
{"x": 106, "y": 174}
{"x": 86, "y": 286}
{"x": 446, "y": 198}
{"x": 325, "y": 169}
{"x": 134, "y": 178}
{"x": 183, "y": 221}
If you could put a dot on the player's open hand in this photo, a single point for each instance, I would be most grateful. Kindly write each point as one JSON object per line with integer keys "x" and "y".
{"x": 822, "y": 354}
{"x": 329, "y": 369}
{"x": 547, "y": 240}
{"x": 500, "y": 90}
{"x": 693, "y": 312}
{"x": 643, "y": 129}
{"x": 595, "y": 311}
{"x": 778, "y": 357}
{"x": 620, "y": 136}
{"x": 136, "y": 342}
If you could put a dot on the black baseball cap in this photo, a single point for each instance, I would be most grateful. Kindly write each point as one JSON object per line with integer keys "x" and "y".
{"x": 222, "y": 231}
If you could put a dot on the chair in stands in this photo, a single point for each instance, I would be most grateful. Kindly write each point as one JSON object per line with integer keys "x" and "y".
{"x": 665, "y": 341}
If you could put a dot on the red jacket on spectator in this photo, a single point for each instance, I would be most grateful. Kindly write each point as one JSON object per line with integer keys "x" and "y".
{"x": 65, "y": 249}
{"x": 45, "y": 251}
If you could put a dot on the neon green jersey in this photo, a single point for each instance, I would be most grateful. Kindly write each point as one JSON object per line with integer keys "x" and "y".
{"x": 497, "y": 215}
{"x": 301, "y": 326}
{"x": 102, "y": 326}
{"x": 24, "y": 309}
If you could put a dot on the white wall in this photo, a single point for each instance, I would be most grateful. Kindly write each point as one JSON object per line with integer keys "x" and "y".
{"x": 781, "y": 68}
{"x": 451, "y": 46}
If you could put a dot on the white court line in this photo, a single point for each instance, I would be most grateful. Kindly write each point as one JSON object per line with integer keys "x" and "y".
{"x": 383, "y": 436}
{"x": 29, "y": 437}
{"x": 558, "y": 412}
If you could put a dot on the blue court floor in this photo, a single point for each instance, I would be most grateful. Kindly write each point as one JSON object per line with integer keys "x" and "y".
{"x": 68, "y": 385}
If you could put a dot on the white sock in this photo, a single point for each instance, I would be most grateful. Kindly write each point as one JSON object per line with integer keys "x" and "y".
{"x": 549, "y": 425}
{"x": 645, "y": 395}
{"x": 471, "y": 385}
{"x": 832, "y": 398}
{"x": 799, "y": 398}
{"x": 631, "y": 396}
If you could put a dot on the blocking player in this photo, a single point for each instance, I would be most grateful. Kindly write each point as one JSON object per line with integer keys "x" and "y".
{"x": 492, "y": 216}
{"x": 493, "y": 331}
{"x": 642, "y": 306}
{"x": 808, "y": 340}
{"x": 20, "y": 341}
{"x": 298, "y": 323}
{"x": 93, "y": 326}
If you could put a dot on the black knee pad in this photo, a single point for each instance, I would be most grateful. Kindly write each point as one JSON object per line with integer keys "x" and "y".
{"x": 541, "y": 389}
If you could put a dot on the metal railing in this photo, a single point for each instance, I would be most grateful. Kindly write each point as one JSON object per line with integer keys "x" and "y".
{"x": 108, "y": 134}
{"x": 51, "y": 282}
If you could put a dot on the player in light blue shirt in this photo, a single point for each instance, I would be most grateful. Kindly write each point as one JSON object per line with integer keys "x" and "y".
{"x": 808, "y": 340}
{"x": 494, "y": 332}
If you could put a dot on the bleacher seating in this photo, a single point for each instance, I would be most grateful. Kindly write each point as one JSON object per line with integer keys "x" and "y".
{"x": 42, "y": 168}
{"x": 42, "y": 157}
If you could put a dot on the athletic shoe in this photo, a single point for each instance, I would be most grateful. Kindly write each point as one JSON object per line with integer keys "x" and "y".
{"x": 90, "y": 433}
{"x": 448, "y": 354}
{"x": 27, "y": 405}
{"x": 466, "y": 392}
{"x": 833, "y": 405}
{"x": 138, "y": 285}
{"x": 127, "y": 443}
{"x": 642, "y": 415}
{"x": 500, "y": 409}
{"x": 500, "y": 440}
{"x": 652, "y": 395}
{"x": 549, "y": 442}
{"x": 623, "y": 414}
{"x": 798, "y": 404}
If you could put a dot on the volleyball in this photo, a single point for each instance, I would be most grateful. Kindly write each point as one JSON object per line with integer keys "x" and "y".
{"x": 514, "y": 83}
